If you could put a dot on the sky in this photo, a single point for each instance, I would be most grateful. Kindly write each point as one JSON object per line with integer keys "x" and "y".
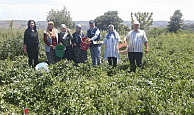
{"x": 84, "y": 10}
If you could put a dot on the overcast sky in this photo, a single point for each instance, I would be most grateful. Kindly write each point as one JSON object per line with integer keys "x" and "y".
{"x": 84, "y": 10}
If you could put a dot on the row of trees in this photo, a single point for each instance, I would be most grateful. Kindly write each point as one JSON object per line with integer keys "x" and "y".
{"x": 111, "y": 17}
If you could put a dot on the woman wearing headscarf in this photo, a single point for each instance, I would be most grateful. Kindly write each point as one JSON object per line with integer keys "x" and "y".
{"x": 51, "y": 40}
{"x": 31, "y": 43}
{"x": 80, "y": 55}
{"x": 66, "y": 39}
{"x": 112, "y": 39}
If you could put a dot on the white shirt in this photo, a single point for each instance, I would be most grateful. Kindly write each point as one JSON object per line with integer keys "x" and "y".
{"x": 136, "y": 40}
{"x": 111, "y": 49}
{"x": 96, "y": 34}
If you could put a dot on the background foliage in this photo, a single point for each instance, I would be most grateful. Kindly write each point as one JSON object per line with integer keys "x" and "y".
{"x": 60, "y": 17}
{"x": 110, "y": 17}
{"x": 175, "y": 21}
{"x": 144, "y": 18}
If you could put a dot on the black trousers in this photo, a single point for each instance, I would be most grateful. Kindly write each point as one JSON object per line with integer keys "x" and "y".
{"x": 112, "y": 61}
{"x": 33, "y": 55}
{"x": 135, "y": 57}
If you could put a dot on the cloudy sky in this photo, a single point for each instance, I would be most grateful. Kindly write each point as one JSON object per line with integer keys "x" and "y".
{"x": 84, "y": 10}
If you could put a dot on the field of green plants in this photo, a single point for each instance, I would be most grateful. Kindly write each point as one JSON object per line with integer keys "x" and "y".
{"x": 164, "y": 86}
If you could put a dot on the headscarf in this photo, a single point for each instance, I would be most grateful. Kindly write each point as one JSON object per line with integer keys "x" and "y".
{"x": 64, "y": 33}
{"x": 113, "y": 32}
{"x": 112, "y": 27}
{"x": 50, "y": 32}
{"x": 63, "y": 26}
{"x": 78, "y": 25}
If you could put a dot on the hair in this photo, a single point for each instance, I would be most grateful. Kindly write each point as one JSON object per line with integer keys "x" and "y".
{"x": 29, "y": 28}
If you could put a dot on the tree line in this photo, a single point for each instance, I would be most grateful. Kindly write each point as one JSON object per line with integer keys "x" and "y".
{"x": 111, "y": 17}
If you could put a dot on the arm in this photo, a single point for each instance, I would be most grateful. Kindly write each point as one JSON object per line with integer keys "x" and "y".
{"x": 87, "y": 34}
{"x": 73, "y": 40}
{"x": 96, "y": 35}
{"x": 25, "y": 37}
{"x": 145, "y": 40}
{"x": 38, "y": 40}
{"x": 105, "y": 40}
{"x": 127, "y": 37}
{"x": 45, "y": 40}
{"x": 146, "y": 45}
{"x": 59, "y": 39}
{"x": 118, "y": 38}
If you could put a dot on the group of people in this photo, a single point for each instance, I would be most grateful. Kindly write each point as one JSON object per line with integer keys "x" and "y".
{"x": 72, "y": 43}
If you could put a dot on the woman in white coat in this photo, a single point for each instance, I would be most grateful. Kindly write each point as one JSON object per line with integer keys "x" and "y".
{"x": 112, "y": 39}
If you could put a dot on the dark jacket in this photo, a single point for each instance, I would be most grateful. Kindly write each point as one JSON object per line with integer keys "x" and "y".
{"x": 66, "y": 42}
{"x": 77, "y": 38}
{"x": 31, "y": 39}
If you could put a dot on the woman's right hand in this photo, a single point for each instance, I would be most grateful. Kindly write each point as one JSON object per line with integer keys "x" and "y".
{"x": 53, "y": 47}
{"x": 25, "y": 50}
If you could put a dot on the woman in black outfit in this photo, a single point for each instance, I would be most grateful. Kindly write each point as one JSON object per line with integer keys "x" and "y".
{"x": 31, "y": 43}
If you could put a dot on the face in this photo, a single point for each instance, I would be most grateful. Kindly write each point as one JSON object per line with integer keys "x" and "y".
{"x": 32, "y": 24}
{"x": 79, "y": 29}
{"x": 91, "y": 25}
{"x": 111, "y": 29}
{"x": 136, "y": 27}
{"x": 63, "y": 29}
{"x": 50, "y": 26}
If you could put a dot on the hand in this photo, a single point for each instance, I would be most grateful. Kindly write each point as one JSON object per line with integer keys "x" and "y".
{"x": 53, "y": 47}
{"x": 74, "y": 44}
{"x": 68, "y": 30}
{"x": 121, "y": 52}
{"x": 146, "y": 50}
{"x": 25, "y": 50}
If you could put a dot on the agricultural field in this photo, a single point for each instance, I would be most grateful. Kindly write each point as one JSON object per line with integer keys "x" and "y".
{"x": 164, "y": 86}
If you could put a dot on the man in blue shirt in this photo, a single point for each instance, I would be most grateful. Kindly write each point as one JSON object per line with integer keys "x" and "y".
{"x": 95, "y": 49}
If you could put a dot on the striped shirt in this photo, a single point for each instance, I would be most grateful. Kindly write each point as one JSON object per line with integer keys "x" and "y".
{"x": 136, "y": 40}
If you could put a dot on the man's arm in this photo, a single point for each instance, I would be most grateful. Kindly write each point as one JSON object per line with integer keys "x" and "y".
{"x": 96, "y": 35}
{"x": 146, "y": 45}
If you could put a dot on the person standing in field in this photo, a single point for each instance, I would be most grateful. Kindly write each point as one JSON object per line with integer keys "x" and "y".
{"x": 66, "y": 39}
{"x": 51, "y": 39}
{"x": 95, "y": 49}
{"x": 136, "y": 39}
{"x": 31, "y": 43}
{"x": 112, "y": 39}
{"x": 80, "y": 55}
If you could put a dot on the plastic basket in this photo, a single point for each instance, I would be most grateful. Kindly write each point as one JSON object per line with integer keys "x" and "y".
{"x": 122, "y": 47}
{"x": 84, "y": 45}
{"x": 60, "y": 50}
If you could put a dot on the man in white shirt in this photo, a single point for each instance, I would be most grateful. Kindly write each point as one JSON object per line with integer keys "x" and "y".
{"x": 136, "y": 39}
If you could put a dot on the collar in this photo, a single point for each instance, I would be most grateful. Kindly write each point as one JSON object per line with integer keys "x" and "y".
{"x": 137, "y": 30}
{"x": 93, "y": 28}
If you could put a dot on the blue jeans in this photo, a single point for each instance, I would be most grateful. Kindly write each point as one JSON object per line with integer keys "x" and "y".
{"x": 95, "y": 54}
